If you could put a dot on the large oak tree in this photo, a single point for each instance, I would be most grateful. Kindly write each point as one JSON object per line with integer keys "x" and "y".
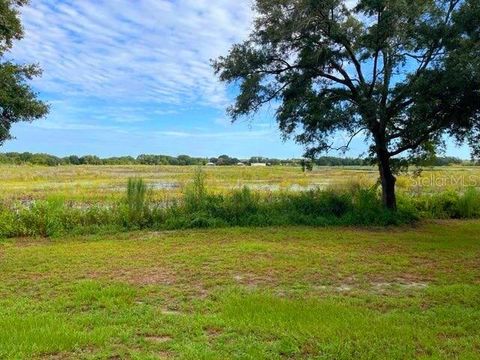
{"x": 18, "y": 102}
{"x": 403, "y": 73}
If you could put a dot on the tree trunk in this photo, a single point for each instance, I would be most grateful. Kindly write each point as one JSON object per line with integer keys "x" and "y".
{"x": 388, "y": 180}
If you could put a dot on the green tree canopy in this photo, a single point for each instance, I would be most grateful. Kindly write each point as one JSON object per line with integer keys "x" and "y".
{"x": 18, "y": 102}
{"x": 403, "y": 73}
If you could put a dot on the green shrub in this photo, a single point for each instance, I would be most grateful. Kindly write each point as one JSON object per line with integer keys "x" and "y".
{"x": 196, "y": 193}
{"x": 200, "y": 209}
{"x": 43, "y": 218}
{"x": 438, "y": 206}
{"x": 9, "y": 225}
{"x": 468, "y": 204}
{"x": 337, "y": 204}
{"x": 235, "y": 208}
{"x": 137, "y": 209}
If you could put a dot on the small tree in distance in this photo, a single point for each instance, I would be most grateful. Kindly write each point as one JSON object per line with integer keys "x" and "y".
{"x": 18, "y": 102}
{"x": 404, "y": 73}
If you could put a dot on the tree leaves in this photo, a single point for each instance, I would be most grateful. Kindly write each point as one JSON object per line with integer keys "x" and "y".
{"x": 407, "y": 70}
{"x": 18, "y": 102}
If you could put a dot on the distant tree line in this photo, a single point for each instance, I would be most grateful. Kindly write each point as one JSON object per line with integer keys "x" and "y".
{"x": 25, "y": 158}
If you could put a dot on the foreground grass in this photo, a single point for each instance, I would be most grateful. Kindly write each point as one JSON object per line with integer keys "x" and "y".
{"x": 273, "y": 293}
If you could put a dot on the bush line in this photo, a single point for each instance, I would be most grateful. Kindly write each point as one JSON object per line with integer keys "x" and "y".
{"x": 200, "y": 209}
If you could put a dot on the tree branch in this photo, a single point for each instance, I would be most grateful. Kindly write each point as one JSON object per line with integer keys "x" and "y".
{"x": 356, "y": 63}
{"x": 347, "y": 145}
{"x": 418, "y": 142}
{"x": 429, "y": 55}
{"x": 375, "y": 61}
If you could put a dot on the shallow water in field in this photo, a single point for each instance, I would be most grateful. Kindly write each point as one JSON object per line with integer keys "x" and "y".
{"x": 165, "y": 185}
{"x": 96, "y": 184}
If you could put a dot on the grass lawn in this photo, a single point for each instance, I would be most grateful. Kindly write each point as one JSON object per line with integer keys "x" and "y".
{"x": 273, "y": 293}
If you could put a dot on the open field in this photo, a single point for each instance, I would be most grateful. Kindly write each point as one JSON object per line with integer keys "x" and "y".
{"x": 107, "y": 183}
{"x": 273, "y": 293}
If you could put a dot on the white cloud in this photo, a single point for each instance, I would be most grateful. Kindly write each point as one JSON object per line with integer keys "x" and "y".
{"x": 212, "y": 135}
{"x": 223, "y": 121}
{"x": 54, "y": 125}
{"x": 152, "y": 51}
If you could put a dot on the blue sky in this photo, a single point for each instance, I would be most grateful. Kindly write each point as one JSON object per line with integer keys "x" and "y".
{"x": 127, "y": 77}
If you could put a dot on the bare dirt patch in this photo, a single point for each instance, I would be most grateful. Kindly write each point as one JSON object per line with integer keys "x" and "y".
{"x": 253, "y": 281}
{"x": 170, "y": 311}
{"x": 164, "y": 355}
{"x": 400, "y": 283}
{"x": 155, "y": 276}
{"x": 213, "y": 332}
{"x": 159, "y": 339}
{"x": 142, "y": 277}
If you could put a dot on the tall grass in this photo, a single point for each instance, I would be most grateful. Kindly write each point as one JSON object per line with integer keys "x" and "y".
{"x": 468, "y": 205}
{"x": 448, "y": 205}
{"x": 355, "y": 205}
{"x": 195, "y": 193}
{"x": 137, "y": 202}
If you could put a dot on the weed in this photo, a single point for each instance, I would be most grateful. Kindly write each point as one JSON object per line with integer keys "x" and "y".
{"x": 200, "y": 208}
{"x": 137, "y": 201}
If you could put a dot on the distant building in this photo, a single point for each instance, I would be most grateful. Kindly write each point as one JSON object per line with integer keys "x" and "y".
{"x": 258, "y": 164}
{"x": 210, "y": 164}
{"x": 240, "y": 164}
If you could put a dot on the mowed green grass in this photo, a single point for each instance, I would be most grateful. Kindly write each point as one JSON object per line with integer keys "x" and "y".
{"x": 274, "y": 293}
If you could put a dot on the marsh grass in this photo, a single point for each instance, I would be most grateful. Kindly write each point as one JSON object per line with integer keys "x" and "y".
{"x": 351, "y": 205}
{"x": 136, "y": 195}
{"x": 138, "y": 202}
{"x": 106, "y": 184}
{"x": 468, "y": 205}
{"x": 196, "y": 192}
{"x": 446, "y": 205}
